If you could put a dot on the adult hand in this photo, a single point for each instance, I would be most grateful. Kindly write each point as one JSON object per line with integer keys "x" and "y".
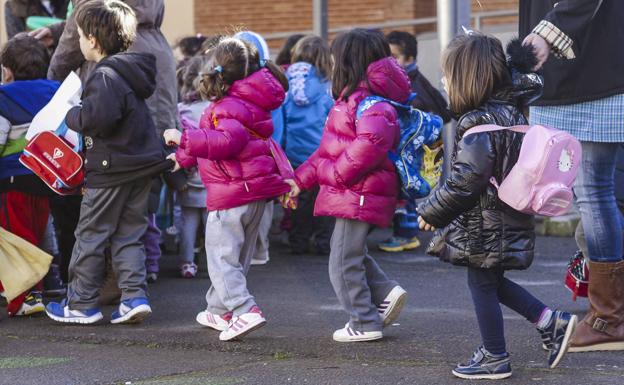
{"x": 541, "y": 48}
{"x": 172, "y": 157}
{"x": 44, "y": 35}
{"x": 172, "y": 137}
{"x": 424, "y": 225}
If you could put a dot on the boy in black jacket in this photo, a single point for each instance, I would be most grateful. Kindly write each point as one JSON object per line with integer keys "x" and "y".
{"x": 122, "y": 154}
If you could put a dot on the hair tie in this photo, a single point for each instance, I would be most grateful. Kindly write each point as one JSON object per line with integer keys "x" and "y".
{"x": 219, "y": 69}
{"x": 263, "y": 63}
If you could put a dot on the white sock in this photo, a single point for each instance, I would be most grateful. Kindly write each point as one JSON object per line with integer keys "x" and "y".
{"x": 544, "y": 319}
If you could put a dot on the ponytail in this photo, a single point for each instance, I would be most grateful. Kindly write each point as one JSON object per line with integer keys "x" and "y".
{"x": 277, "y": 72}
{"x": 212, "y": 85}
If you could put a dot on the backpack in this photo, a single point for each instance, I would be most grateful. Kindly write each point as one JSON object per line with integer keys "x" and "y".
{"x": 540, "y": 183}
{"x": 418, "y": 159}
{"x": 55, "y": 160}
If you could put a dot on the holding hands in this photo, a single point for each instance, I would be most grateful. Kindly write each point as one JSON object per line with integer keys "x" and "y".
{"x": 424, "y": 225}
{"x": 289, "y": 200}
{"x": 172, "y": 137}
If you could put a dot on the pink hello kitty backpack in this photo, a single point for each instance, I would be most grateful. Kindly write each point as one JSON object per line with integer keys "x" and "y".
{"x": 540, "y": 183}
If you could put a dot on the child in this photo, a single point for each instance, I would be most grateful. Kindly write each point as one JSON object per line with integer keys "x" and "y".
{"x": 193, "y": 198}
{"x": 123, "y": 153}
{"x": 24, "y": 207}
{"x": 240, "y": 175}
{"x": 481, "y": 232}
{"x": 358, "y": 182}
{"x": 404, "y": 48}
{"x": 305, "y": 110}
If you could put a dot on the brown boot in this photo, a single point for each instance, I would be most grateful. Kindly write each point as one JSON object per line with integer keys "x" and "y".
{"x": 603, "y": 326}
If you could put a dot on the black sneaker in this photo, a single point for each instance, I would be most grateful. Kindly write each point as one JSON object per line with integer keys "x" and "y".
{"x": 53, "y": 284}
{"x": 485, "y": 366}
{"x": 556, "y": 336}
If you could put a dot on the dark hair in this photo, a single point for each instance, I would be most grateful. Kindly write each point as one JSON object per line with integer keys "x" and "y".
{"x": 191, "y": 45}
{"x": 237, "y": 59}
{"x": 210, "y": 43}
{"x": 284, "y": 57}
{"x": 353, "y": 52}
{"x": 26, "y": 57}
{"x": 475, "y": 68}
{"x": 112, "y": 23}
{"x": 314, "y": 50}
{"x": 407, "y": 43}
{"x": 188, "y": 76}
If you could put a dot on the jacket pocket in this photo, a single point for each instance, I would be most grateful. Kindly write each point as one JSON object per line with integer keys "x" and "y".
{"x": 223, "y": 170}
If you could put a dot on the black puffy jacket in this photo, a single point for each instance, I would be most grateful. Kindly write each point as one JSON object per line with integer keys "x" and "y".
{"x": 479, "y": 229}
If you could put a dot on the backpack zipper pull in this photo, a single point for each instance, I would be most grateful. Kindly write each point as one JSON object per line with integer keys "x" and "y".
{"x": 361, "y": 200}
{"x": 246, "y": 187}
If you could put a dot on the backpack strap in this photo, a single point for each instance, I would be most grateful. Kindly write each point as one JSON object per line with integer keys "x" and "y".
{"x": 522, "y": 129}
{"x": 371, "y": 100}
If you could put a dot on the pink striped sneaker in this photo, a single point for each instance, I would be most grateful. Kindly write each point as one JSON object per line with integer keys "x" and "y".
{"x": 214, "y": 321}
{"x": 348, "y": 334}
{"x": 243, "y": 324}
{"x": 392, "y": 305}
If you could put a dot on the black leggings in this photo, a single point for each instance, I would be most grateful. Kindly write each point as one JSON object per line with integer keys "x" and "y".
{"x": 489, "y": 288}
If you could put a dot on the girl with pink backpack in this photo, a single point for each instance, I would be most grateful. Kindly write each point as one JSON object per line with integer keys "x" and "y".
{"x": 482, "y": 229}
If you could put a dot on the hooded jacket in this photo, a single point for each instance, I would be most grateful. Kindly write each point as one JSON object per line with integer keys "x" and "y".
{"x": 307, "y": 105}
{"x": 231, "y": 145}
{"x": 358, "y": 181}
{"x": 149, "y": 39}
{"x": 479, "y": 229}
{"x": 120, "y": 140}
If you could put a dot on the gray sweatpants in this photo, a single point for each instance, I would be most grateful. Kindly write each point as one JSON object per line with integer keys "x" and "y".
{"x": 231, "y": 237}
{"x": 192, "y": 219}
{"x": 358, "y": 281}
{"x": 114, "y": 218}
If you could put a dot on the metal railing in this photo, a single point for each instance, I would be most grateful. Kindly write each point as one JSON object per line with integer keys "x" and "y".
{"x": 476, "y": 17}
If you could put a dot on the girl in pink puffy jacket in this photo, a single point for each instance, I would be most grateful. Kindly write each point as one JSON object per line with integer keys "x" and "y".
{"x": 358, "y": 182}
{"x": 235, "y": 163}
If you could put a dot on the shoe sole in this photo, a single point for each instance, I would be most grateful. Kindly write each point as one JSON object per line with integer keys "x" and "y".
{"x": 565, "y": 344}
{"x": 252, "y": 328}
{"x": 134, "y": 316}
{"x": 395, "y": 308}
{"x": 607, "y": 346}
{"x": 77, "y": 320}
{"x": 360, "y": 339}
{"x": 211, "y": 326}
{"x": 499, "y": 376}
{"x": 397, "y": 249}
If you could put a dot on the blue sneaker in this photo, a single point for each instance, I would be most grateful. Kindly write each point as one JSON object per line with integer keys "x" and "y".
{"x": 132, "y": 311}
{"x": 556, "y": 336}
{"x": 485, "y": 366}
{"x": 60, "y": 312}
{"x": 398, "y": 244}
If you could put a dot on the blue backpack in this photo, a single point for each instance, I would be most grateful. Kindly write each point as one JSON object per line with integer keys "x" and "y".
{"x": 418, "y": 158}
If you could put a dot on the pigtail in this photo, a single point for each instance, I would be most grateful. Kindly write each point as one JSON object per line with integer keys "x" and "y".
{"x": 212, "y": 85}
{"x": 277, "y": 72}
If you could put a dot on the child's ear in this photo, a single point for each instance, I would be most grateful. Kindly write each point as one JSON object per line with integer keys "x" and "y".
{"x": 7, "y": 75}
{"x": 93, "y": 44}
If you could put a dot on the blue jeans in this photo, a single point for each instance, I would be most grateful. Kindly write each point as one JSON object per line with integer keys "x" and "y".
{"x": 489, "y": 288}
{"x": 595, "y": 195}
{"x": 405, "y": 221}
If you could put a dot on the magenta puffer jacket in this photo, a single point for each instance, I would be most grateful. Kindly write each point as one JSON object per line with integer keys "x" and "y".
{"x": 230, "y": 147}
{"x": 357, "y": 179}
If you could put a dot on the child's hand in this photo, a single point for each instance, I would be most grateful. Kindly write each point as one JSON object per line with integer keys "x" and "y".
{"x": 172, "y": 157}
{"x": 294, "y": 189}
{"x": 172, "y": 137}
{"x": 424, "y": 225}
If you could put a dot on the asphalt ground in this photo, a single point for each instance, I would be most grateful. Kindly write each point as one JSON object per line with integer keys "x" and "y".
{"x": 436, "y": 330}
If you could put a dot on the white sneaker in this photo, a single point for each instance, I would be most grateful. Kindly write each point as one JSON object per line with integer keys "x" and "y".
{"x": 214, "y": 321}
{"x": 348, "y": 334}
{"x": 392, "y": 305}
{"x": 256, "y": 262}
{"x": 243, "y": 324}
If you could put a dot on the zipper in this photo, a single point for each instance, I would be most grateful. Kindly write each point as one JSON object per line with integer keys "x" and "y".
{"x": 361, "y": 200}
{"x": 246, "y": 187}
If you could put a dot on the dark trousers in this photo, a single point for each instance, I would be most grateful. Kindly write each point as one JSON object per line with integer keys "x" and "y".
{"x": 305, "y": 224}
{"x": 489, "y": 288}
{"x": 113, "y": 218}
{"x": 66, "y": 212}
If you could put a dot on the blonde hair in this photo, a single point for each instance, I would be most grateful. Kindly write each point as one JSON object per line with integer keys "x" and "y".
{"x": 314, "y": 50}
{"x": 475, "y": 67}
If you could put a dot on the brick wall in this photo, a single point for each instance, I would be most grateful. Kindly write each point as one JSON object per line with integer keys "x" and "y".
{"x": 269, "y": 16}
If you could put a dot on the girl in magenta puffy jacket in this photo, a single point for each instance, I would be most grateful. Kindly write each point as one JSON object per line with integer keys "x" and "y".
{"x": 358, "y": 182}
{"x": 235, "y": 163}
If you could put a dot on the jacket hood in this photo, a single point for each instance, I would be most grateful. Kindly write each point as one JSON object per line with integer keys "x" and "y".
{"x": 149, "y": 13}
{"x": 260, "y": 88}
{"x": 306, "y": 86}
{"x": 138, "y": 69}
{"x": 386, "y": 78}
{"x": 527, "y": 86}
{"x": 31, "y": 95}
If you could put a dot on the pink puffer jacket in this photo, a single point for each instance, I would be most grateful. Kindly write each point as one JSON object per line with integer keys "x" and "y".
{"x": 231, "y": 148}
{"x": 357, "y": 179}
